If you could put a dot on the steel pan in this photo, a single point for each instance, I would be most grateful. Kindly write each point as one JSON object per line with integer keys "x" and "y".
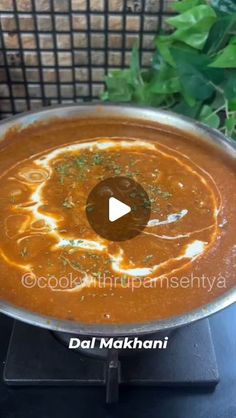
{"x": 187, "y": 125}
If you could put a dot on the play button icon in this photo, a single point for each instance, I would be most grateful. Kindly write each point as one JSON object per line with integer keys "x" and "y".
{"x": 118, "y": 208}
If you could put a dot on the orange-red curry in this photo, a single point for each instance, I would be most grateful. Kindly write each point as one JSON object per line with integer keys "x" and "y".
{"x": 52, "y": 262}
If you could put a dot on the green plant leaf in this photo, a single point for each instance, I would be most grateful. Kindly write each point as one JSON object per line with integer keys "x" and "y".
{"x": 226, "y": 6}
{"x": 191, "y": 101}
{"x": 208, "y": 117}
{"x": 169, "y": 86}
{"x": 218, "y": 101}
{"x": 145, "y": 96}
{"x": 192, "y": 71}
{"x": 195, "y": 36}
{"x": 104, "y": 96}
{"x": 163, "y": 44}
{"x": 192, "y": 17}
{"x": 232, "y": 105}
{"x": 193, "y": 26}
{"x": 165, "y": 81}
{"x": 185, "y": 5}
{"x": 196, "y": 78}
{"x": 227, "y": 59}
{"x": 157, "y": 60}
{"x": 230, "y": 86}
{"x": 220, "y": 34}
{"x": 135, "y": 64}
{"x": 119, "y": 85}
{"x": 233, "y": 40}
{"x": 183, "y": 108}
{"x": 230, "y": 124}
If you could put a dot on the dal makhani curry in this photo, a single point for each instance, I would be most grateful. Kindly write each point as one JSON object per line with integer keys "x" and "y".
{"x": 54, "y": 263}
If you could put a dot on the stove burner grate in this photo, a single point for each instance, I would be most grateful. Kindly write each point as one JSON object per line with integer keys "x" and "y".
{"x": 35, "y": 357}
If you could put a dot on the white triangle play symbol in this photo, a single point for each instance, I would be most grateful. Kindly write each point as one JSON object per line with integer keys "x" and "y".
{"x": 117, "y": 209}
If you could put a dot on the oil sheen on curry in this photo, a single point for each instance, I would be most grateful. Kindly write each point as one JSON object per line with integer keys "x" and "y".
{"x": 51, "y": 260}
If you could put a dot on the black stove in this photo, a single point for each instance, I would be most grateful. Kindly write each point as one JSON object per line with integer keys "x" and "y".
{"x": 37, "y": 357}
{"x": 177, "y": 382}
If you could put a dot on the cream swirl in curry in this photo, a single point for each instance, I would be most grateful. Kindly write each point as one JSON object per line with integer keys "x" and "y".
{"x": 45, "y": 230}
{"x": 47, "y": 214}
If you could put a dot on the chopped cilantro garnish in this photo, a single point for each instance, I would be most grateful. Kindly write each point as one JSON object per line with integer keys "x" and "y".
{"x": 63, "y": 170}
{"x": 146, "y": 203}
{"x": 80, "y": 161}
{"x": 97, "y": 159}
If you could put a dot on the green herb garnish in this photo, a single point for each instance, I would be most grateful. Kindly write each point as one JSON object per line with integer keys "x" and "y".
{"x": 63, "y": 171}
{"x": 80, "y": 161}
{"x": 157, "y": 191}
{"x": 146, "y": 204}
{"x": 97, "y": 159}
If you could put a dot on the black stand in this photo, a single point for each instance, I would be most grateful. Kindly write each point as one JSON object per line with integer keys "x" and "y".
{"x": 112, "y": 377}
{"x": 35, "y": 357}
